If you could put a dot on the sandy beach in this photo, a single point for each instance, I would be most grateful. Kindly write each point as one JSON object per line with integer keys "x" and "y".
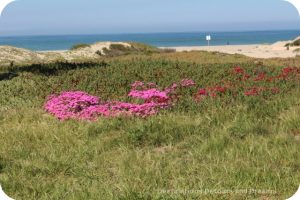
{"x": 9, "y": 54}
{"x": 276, "y": 50}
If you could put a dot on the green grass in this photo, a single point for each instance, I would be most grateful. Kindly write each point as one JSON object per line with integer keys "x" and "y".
{"x": 228, "y": 143}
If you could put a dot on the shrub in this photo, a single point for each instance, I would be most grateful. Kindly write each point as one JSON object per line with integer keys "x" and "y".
{"x": 116, "y": 50}
{"x": 143, "y": 48}
{"x": 99, "y": 53}
{"x": 79, "y": 46}
{"x": 297, "y": 50}
{"x": 294, "y": 43}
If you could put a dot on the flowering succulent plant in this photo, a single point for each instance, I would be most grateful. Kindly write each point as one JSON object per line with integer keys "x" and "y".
{"x": 149, "y": 95}
{"x": 151, "y": 99}
{"x": 70, "y": 104}
{"x": 80, "y": 105}
{"x": 187, "y": 83}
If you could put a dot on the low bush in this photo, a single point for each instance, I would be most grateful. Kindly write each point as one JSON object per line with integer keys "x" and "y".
{"x": 79, "y": 46}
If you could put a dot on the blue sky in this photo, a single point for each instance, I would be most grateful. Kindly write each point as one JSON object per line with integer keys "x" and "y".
{"x": 40, "y": 17}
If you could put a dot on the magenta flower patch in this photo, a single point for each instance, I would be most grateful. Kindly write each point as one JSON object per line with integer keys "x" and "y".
{"x": 80, "y": 105}
{"x": 70, "y": 105}
{"x": 148, "y": 99}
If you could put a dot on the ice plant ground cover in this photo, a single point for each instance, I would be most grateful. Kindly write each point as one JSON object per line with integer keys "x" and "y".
{"x": 80, "y": 105}
{"x": 231, "y": 123}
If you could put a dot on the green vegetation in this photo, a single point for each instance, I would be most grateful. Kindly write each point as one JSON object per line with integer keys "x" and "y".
{"x": 230, "y": 144}
{"x": 140, "y": 47}
{"x": 79, "y": 46}
{"x": 297, "y": 50}
{"x": 135, "y": 49}
{"x": 294, "y": 43}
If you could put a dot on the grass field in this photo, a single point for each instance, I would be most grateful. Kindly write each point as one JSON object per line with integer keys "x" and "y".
{"x": 193, "y": 150}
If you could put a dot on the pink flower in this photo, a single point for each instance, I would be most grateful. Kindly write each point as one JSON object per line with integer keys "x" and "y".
{"x": 137, "y": 84}
{"x": 80, "y": 105}
{"x": 254, "y": 91}
{"x": 275, "y": 90}
{"x": 261, "y": 76}
{"x": 171, "y": 88}
{"x": 238, "y": 70}
{"x": 149, "y": 95}
{"x": 69, "y": 105}
{"x": 202, "y": 92}
{"x": 152, "y": 85}
{"x": 187, "y": 83}
{"x": 220, "y": 89}
{"x": 213, "y": 95}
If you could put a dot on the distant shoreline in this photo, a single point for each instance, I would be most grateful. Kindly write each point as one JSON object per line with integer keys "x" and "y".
{"x": 276, "y": 50}
{"x": 65, "y": 42}
{"x": 9, "y": 54}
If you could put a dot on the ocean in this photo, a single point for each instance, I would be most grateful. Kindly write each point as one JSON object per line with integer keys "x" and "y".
{"x": 63, "y": 42}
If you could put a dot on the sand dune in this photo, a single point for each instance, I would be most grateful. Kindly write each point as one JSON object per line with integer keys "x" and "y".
{"x": 9, "y": 55}
{"x": 15, "y": 55}
{"x": 276, "y": 50}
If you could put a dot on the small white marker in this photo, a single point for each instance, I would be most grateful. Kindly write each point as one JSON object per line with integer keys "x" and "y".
{"x": 3, "y": 196}
{"x": 208, "y": 38}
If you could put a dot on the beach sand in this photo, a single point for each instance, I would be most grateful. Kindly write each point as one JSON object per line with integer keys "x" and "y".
{"x": 9, "y": 55}
{"x": 276, "y": 50}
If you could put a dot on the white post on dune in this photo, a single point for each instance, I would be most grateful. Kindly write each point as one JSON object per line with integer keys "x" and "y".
{"x": 208, "y": 38}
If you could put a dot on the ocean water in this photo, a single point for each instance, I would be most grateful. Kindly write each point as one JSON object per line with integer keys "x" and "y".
{"x": 63, "y": 42}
